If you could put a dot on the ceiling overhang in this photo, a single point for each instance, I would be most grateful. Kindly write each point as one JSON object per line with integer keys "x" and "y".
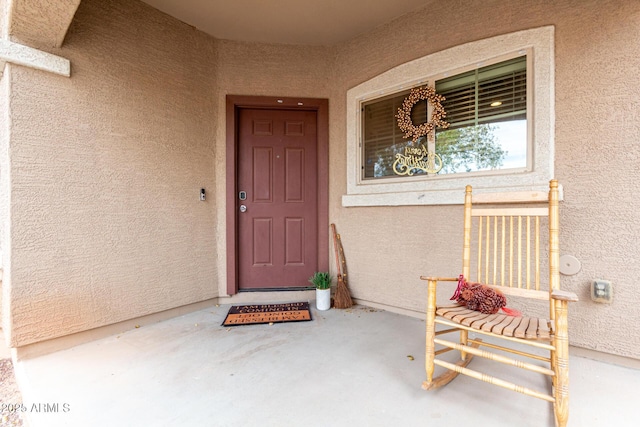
{"x": 300, "y": 22}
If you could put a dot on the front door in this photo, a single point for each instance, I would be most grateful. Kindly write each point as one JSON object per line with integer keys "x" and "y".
{"x": 277, "y": 198}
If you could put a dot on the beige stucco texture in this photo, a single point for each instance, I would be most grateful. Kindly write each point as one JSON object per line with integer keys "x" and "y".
{"x": 106, "y": 166}
{"x": 106, "y": 171}
{"x": 41, "y": 23}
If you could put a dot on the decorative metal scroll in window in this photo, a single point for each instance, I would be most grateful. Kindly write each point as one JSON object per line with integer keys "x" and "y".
{"x": 485, "y": 127}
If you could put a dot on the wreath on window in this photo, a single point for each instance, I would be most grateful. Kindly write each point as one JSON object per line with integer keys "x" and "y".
{"x": 404, "y": 113}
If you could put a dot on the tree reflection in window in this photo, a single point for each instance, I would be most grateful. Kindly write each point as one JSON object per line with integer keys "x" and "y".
{"x": 471, "y": 148}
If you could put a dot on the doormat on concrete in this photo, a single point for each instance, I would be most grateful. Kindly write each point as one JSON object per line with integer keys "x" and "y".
{"x": 267, "y": 313}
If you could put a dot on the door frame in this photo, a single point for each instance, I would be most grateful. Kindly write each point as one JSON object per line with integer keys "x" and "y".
{"x": 233, "y": 104}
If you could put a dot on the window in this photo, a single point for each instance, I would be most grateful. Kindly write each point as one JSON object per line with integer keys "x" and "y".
{"x": 499, "y": 102}
{"x": 487, "y": 116}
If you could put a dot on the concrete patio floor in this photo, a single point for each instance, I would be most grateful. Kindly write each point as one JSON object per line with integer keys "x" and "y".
{"x": 344, "y": 368}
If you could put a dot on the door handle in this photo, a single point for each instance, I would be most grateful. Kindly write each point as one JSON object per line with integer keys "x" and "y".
{"x": 243, "y": 208}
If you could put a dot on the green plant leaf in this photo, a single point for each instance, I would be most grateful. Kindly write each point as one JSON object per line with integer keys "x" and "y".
{"x": 321, "y": 280}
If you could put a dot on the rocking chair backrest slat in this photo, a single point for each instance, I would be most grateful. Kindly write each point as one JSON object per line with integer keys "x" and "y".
{"x": 494, "y": 232}
{"x": 509, "y": 248}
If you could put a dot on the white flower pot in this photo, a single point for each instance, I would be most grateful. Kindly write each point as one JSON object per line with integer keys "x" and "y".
{"x": 323, "y": 299}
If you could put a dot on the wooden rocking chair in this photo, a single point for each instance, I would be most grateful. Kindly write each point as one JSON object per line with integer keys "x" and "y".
{"x": 508, "y": 259}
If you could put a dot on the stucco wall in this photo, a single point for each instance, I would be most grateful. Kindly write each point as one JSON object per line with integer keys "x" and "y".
{"x": 41, "y": 23}
{"x": 4, "y": 18}
{"x": 597, "y": 125}
{"x": 4, "y": 189}
{"x": 106, "y": 171}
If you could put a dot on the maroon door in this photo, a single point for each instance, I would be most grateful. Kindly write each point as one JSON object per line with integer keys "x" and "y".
{"x": 277, "y": 202}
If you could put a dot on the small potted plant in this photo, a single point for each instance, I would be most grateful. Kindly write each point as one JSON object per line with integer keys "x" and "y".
{"x": 322, "y": 282}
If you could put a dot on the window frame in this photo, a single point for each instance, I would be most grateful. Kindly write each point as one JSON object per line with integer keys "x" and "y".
{"x": 538, "y": 45}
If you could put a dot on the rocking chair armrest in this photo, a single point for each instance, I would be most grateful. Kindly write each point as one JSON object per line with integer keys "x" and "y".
{"x": 564, "y": 296}
{"x": 439, "y": 279}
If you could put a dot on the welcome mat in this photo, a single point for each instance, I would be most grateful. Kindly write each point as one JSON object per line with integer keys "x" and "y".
{"x": 267, "y": 313}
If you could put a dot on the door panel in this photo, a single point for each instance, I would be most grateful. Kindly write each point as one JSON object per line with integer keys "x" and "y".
{"x": 294, "y": 175}
{"x": 262, "y": 180}
{"x": 277, "y": 167}
{"x": 294, "y": 241}
{"x": 262, "y": 242}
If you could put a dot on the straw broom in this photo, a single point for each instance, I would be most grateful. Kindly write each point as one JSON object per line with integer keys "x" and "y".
{"x": 342, "y": 298}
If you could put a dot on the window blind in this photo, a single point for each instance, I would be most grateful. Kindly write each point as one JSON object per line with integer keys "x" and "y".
{"x": 490, "y": 94}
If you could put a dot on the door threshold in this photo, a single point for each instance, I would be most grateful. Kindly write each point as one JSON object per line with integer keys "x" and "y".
{"x": 269, "y": 297}
{"x": 306, "y": 288}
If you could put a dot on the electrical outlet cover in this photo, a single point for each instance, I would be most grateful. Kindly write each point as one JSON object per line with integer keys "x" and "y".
{"x": 602, "y": 291}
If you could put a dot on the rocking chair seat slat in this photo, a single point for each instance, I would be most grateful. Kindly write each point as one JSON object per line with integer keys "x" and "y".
{"x": 490, "y": 320}
{"x": 532, "y": 331}
{"x": 543, "y": 329}
{"x": 531, "y": 328}
{"x": 469, "y": 320}
{"x": 522, "y": 328}
{"x": 449, "y": 312}
{"x": 459, "y": 317}
{"x": 508, "y": 331}
{"x": 506, "y": 322}
{"x": 452, "y": 309}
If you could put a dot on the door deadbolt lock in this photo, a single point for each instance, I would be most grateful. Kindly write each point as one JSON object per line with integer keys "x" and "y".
{"x": 242, "y": 195}
{"x": 243, "y": 208}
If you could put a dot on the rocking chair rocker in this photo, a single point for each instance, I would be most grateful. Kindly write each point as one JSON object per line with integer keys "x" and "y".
{"x": 508, "y": 259}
